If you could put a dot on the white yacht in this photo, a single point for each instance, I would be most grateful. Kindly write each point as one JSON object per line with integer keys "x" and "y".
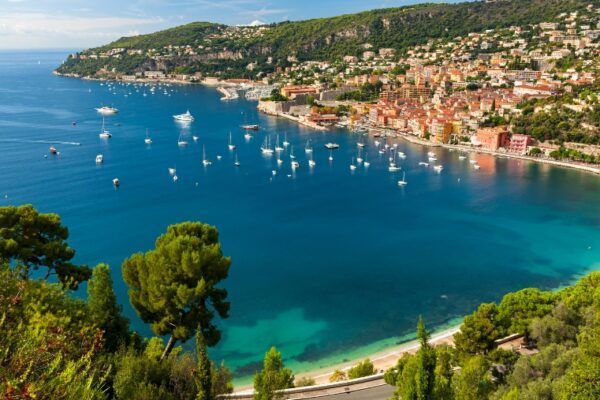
{"x": 116, "y": 182}
{"x": 461, "y": 157}
{"x": 294, "y": 164}
{"x": 476, "y": 166}
{"x": 99, "y": 159}
{"x": 172, "y": 171}
{"x": 352, "y": 166}
{"x": 185, "y": 117}
{"x": 311, "y": 162}
{"x": 424, "y": 164}
{"x": 104, "y": 133}
{"x": 438, "y": 168}
{"x": 366, "y": 163}
{"x": 195, "y": 138}
{"x": 107, "y": 110}
{"x": 473, "y": 161}
{"x": 332, "y": 146}
{"x": 147, "y": 140}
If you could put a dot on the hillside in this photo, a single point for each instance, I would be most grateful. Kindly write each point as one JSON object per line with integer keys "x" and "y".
{"x": 228, "y": 51}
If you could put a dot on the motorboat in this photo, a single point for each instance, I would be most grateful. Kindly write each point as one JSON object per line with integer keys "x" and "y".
{"x": 185, "y": 117}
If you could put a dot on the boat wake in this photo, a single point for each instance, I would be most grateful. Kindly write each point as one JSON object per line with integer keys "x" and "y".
{"x": 40, "y": 141}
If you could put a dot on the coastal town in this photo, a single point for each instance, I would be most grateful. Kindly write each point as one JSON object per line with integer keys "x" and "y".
{"x": 470, "y": 92}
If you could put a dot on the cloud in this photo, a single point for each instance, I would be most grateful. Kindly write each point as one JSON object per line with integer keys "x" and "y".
{"x": 36, "y": 29}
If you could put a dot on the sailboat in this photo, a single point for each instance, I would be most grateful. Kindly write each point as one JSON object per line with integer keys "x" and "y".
{"x": 352, "y": 166}
{"x": 237, "y": 162}
{"x": 279, "y": 160}
{"x": 359, "y": 159}
{"x": 403, "y": 181}
{"x": 330, "y": 154}
{"x": 285, "y": 141}
{"x": 292, "y": 156}
{"x": 366, "y": 163}
{"x": 231, "y": 146}
{"x": 205, "y": 161}
{"x": 104, "y": 134}
{"x": 311, "y": 162}
{"x": 147, "y": 140}
{"x": 181, "y": 142}
{"x": 308, "y": 148}
{"x": 278, "y": 148}
{"x": 393, "y": 167}
{"x": 266, "y": 147}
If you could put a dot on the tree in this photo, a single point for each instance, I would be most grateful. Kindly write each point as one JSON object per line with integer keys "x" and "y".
{"x": 30, "y": 241}
{"x": 473, "y": 381}
{"x": 273, "y": 378}
{"x": 174, "y": 286}
{"x": 305, "y": 381}
{"x": 203, "y": 372}
{"x": 478, "y": 331}
{"x": 104, "y": 310}
{"x": 221, "y": 379}
{"x": 363, "y": 368}
{"x": 443, "y": 374}
{"x": 518, "y": 309}
{"x": 426, "y": 359}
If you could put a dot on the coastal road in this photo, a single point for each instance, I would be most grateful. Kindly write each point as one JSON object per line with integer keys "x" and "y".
{"x": 382, "y": 392}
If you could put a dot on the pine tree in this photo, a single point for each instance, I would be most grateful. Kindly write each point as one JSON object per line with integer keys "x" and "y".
{"x": 426, "y": 360}
{"x": 174, "y": 286}
{"x": 273, "y": 378}
{"x": 104, "y": 310}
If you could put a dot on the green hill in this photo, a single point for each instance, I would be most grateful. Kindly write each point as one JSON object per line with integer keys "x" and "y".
{"x": 227, "y": 50}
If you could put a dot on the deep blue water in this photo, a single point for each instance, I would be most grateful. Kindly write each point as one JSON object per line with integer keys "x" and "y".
{"x": 325, "y": 262}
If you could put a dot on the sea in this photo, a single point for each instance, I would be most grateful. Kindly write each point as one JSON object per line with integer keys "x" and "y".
{"x": 329, "y": 264}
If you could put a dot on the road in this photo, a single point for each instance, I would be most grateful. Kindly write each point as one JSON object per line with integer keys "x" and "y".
{"x": 383, "y": 392}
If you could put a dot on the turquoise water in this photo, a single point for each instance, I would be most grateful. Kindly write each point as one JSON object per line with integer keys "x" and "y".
{"x": 327, "y": 262}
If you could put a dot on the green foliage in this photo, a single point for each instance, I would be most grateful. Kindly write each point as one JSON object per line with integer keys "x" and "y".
{"x": 143, "y": 376}
{"x": 518, "y": 309}
{"x": 535, "y": 151}
{"x": 473, "y": 382}
{"x": 104, "y": 311}
{"x": 337, "y": 376}
{"x": 367, "y": 92}
{"x": 362, "y": 369}
{"x": 221, "y": 379}
{"x": 479, "y": 331}
{"x": 203, "y": 373}
{"x": 174, "y": 286}
{"x": 273, "y": 377}
{"x": 304, "y": 381}
{"x": 31, "y": 240}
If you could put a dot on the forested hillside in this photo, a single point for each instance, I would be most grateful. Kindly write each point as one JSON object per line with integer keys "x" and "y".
{"x": 214, "y": 48}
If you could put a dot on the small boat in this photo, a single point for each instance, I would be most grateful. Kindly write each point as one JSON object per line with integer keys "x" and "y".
{"x": 205, "y": 161}
{"x": 403, "y": 181}
{"x": 473, "y": 161}
{"x": 175, "y": 178}
{"x": 360, "y": 144}
{"x": 185, "y": 117}
{"x": 247, "y": 136}
{"x": 278, "y": 148}
{"x": 366, "y": 163}
{"x": 424, "y": 164}
{"x": 230, "y": 146}
{"x": 181, "y": 142}
{"x": 377, "y": 143}
{"x": 330, "y": 154}
{"x": 295, "y": 164}
{"x": 401, "y": 155}
{"x": 116, "y": 182}
{"x": 104, "y": 134}
{"x": 308, "y": 148}
{"x": 99, "y": 159}
{"x": 172, "y": 171}
{"x": 252, "y": 127}
{"x": 432, "y": 159}
{"x": 292, "y": 156}
{"x": 219, "y": 157}
{"x": 279, "y": 160}
{"x": 107, "y": 110}
{"x": 285, "y": 141}
{"x": 461, "y": 157}
{"x": 266, "y": 147}
{"x": 236, "y": 163}
{"x": 393, "y": 168}
{"x": 147, "y": 140}
{"x": 352, "y": 166}
{"x": 476, "y": 166}
{"x": 431, "y": 154}
{"x": 359, "y": 158}
{"x": 311, "y": 162}
{"x": 438, "y": 168}
{"x": 53, "y": 150}
{"x": 195, "y": 138}
{"x": 332, "y": 146}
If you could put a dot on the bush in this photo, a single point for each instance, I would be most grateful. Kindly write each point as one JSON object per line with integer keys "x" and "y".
{"x": 364, "y": 368}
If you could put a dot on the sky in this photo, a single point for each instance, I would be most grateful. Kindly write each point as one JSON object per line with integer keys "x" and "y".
{"x": 78, "y": 24}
